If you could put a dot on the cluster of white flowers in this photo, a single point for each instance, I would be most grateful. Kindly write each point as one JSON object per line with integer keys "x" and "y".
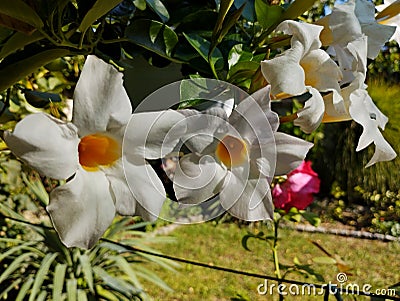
{"x": 353, "y": 35}
{"x": 231, "y": 153}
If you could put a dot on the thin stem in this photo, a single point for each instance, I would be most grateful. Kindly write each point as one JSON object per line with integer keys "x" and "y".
{"x": 275, "y": 250}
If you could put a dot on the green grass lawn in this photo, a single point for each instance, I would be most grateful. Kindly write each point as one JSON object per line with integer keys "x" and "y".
{"x": 373, "y": 262}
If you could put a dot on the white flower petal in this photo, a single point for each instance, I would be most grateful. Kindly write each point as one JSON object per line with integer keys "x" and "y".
{"x": 321, "y": 71}
{"x": 378, "y": 34}
{"x": 100, "y": 99}
{"x": 383, "y": 151}
{"x": 203, "y": 128}
{"x": 310, "y": 116}
{"x": 285, "y": 74}
{"x": 290, "y": 152}
{"x": 344, "y": 24}
{"x": 47, "y": 144}
{"x": 364, "y": 112}
{"x": 262, "y": 98}
{"x": 145, "y": 186}
{"x": 197, "y": 179}
{"x": 82, "y": 209}
{"x": 125, "y": 203}
{"x": 251, "y": 120}
{"x": 153, "y": 135}
{"x": 390, "y": 17}
{"x": 246, "y": 199}
{"x": 304, "y": 34}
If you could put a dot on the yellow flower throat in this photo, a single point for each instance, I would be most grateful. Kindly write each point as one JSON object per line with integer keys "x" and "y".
{"x": 231, "y": 151}
{"x": 98, "y": 150}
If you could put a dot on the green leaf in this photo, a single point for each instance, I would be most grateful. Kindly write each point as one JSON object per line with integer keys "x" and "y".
{"x": 229, "y": 22}
{"x": 72, "y": 287}
{"x": 153, "y": 36}
{"x": 225, "y": 5}
{"x": 150, "y": 276}
{"x": 87, "y": 270}
{"x": 99, "y": 9}
{"x": 18, "y": 41}
{"x": 42, "y": 296}
{"x": 202, "y": 46}
{"x": 243, "y": 66}
{"x": 312, "y": 218}
{"x": 249, "y": 10}
{"x": 36, "y": 185}
{"x": 140, "y": 4}
{"x": 19, "y": 10}
{"x": 24, "y": 289}
{"x": 13, "y": 72}
{"x": 117, "y": 284}
{"x": 296, "y": 9}
{"x": 324, "y": 260}
{"x": 82, "y": 296}
{"x": 15, "y": 249}
{"x": 58, "y": 283}
{"x": 16, "y": 264}
{"x": 267, "y": 15}
{"x": 41, "y": 274}
{"x": 5, "y": 290}
{"x": 159, "y": 8}
{"x": 127, "y": 268}
{"x": 40, "y": 100}
{"x": 251, "y": 235}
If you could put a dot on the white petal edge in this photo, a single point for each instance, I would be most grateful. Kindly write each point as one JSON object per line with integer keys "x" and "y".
{"x": 100, "y": 99}
{"x": 145, "y": 186}
{"x": 46, "y": 144}
{"x": 82, "y": 209}
{"x": 197, "y": 178}
{"x": 290, "y": 152}
{"x": 153, "y": 135}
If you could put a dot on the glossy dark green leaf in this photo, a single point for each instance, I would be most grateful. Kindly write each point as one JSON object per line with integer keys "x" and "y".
{"x": 13, "y": 72}
{"x": 224, "y": 7}
{"x": 40, "y": 99}
{"x": 159, "y": 8}
{"x": 249, "y": 12}
{"x": 240, "y": 67}
{"x": 17, "y": 41}
{"x": 202, "y": 46}
{"x": 19, "y": 10}
{"x": 267, "y": 15}
{"x": 153, "y": 36}
{"x": 99, "y": 9}
{"x": 229, "y": 22}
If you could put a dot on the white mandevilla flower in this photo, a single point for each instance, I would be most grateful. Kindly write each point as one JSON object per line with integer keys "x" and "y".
{"x": 239, "y": 161}
{"x": 349, "y": 21}
{"x": 389, "y": 15}
{"x": 88, "y": 152}
{"x": 304, "y": 68}
{"x": 362, "y": 110}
